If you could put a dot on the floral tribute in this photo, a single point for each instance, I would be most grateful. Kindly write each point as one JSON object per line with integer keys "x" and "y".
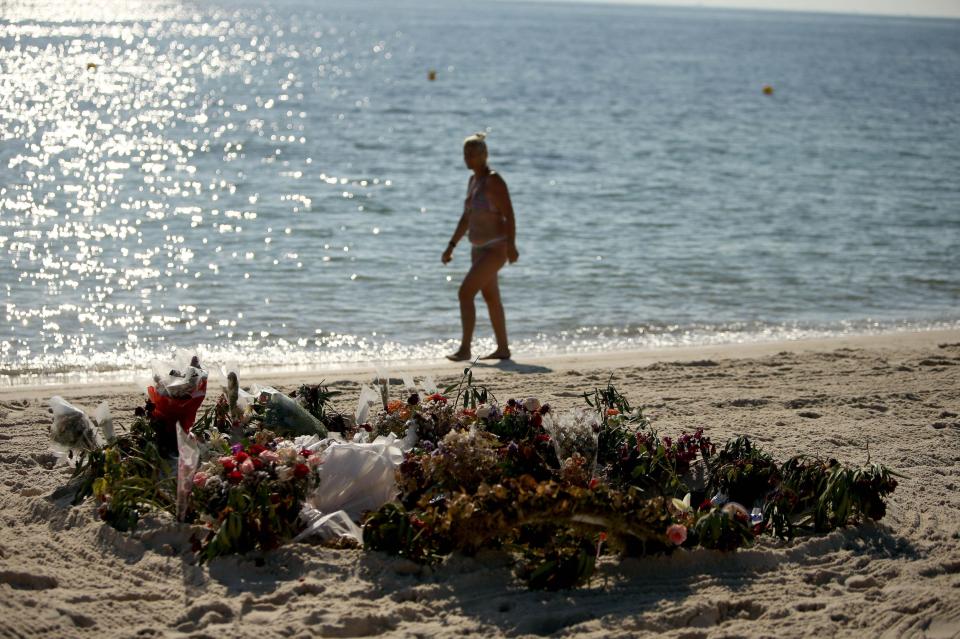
{"x": 557, "y": 490}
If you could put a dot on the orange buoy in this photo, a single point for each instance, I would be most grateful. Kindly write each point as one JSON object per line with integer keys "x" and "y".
{"x": 767, "y": 89}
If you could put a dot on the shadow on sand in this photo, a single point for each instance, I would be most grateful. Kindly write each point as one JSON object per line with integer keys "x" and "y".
{"x": 510, "y": 366}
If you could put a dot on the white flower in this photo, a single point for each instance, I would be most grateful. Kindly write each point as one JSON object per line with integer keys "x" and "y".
{"x": 284, "y": 473}
{"x": 483, "y": 411}
{"x": 288, "y": 454}
{"x": 531, "y": 404}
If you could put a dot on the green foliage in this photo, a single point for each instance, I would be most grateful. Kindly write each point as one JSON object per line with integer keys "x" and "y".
{"x": 566, "y": 562}
{"x": 619, "y": 423}
{"x": 722, "y": 528}
{"x": 260, "y": 514}
{"x": 316, "y": 398}
{"x": 128, "y": 477}
{"x": 468, "y": 395}
{"x": 657, "y": 466}
{"x": 743, "y": 472}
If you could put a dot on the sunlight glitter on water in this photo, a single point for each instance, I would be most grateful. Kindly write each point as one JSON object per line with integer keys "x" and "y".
{"x": 234, "y": 177}
{"x": 118, "y": 140}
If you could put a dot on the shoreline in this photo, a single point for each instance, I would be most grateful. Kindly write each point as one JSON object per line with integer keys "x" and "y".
{"x": 363, "y": 371}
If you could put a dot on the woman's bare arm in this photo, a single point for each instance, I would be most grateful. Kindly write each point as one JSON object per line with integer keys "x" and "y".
{"x": 457, "y": 234}
{"x": 500, "y": 197}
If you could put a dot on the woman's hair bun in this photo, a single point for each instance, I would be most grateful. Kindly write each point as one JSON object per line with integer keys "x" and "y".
{"x": 477, "y": 139}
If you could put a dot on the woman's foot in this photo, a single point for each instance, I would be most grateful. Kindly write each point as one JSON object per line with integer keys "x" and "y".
{"x": 459, "y": 356}
{"x": 500, "y": 353}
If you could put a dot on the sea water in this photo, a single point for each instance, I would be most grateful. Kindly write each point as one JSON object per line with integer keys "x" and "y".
{"x": 272, "y": 184}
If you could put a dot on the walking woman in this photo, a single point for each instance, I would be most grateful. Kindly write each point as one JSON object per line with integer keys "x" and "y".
{"x": 488, "y": 222}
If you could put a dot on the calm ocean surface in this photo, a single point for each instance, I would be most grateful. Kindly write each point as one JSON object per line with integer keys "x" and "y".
{"x": 274, "y": 184}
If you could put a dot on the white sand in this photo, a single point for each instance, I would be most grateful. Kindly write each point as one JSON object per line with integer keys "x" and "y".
{"x": 65, "y": 574}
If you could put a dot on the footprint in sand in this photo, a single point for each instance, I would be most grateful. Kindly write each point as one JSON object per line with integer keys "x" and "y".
{"x": 201, "y": 615}
{"x": 27, "y": 581}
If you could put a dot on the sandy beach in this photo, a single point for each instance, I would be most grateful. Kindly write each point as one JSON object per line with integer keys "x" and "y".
{"x": 892, "y": 398}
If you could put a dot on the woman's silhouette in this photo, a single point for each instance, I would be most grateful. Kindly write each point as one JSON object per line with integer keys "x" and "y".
{"x": 488, "y": 221}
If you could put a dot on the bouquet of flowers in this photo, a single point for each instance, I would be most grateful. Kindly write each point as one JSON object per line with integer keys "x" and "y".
{"x": 458, "y": 471}
{"x": 72, "y": 431}
{"x": 177, "y": 392}
{"x": 250, "y": 497}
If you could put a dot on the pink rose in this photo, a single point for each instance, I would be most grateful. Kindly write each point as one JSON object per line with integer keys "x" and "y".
{"x": 677, "y": 533}
{"x": 247, "y": 466}
{"x": 200, "y": 479}
{"x": 313, "y": 461}
{"x": 269, "y": 457}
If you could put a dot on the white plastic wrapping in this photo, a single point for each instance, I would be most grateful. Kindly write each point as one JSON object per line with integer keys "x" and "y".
{"x": 367, "y": 400}
{"x": 429, "y": 385}
{"x": 575, "y": 431}
{"x": 189, "y": 460}
{"x": 71, "y": 430}
{"x": 104, "y": 420}
{"x": 335, "y": 525}
{"x": 357, "y": 478}
{"x": 181, "y": 378}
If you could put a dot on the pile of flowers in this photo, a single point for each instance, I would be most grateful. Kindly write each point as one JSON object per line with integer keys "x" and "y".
{"x": 433, "y": 472}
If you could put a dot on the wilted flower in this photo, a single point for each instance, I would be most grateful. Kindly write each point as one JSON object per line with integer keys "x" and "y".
{"x": 531, "y": 404}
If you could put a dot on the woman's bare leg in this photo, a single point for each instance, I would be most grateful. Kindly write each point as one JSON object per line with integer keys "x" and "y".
{"x": 484, "y": 268}
{"x": 491, "y": 295}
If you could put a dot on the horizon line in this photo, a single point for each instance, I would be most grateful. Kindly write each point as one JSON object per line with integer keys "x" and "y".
{"x": 740, "y": 6}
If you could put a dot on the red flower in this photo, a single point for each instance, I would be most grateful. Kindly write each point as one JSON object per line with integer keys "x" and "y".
{"x": 301, "y": 470}
{"x": 256, "y": 449}
{"x": 594, "y": 483}
{"x": 241, "y": 457}
{"x": 543, "y": 437}
{"x": 437, "y": 397}
{"x": 235, "y": 476}
{"x": 256, "y": 462}
{"x": 228, "y": 464}
{"x": 536, "y": 420}
{"x": 305, "y": 453}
